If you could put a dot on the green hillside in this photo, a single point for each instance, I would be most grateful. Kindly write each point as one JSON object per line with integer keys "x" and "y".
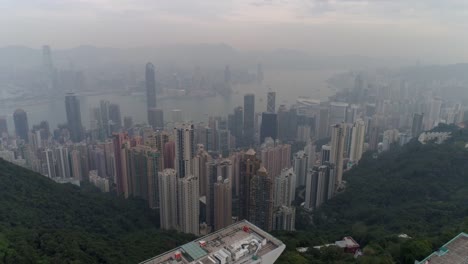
{"x": 45, "y": 222}
{"x": 419, "y": 190}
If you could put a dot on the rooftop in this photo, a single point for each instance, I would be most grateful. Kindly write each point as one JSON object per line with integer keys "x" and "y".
{"x": 241, "y": 242}
{"x": 454, "y": 252}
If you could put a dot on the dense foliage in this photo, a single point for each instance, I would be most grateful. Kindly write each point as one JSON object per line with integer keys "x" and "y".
{"x": 45, "y": 222}
{"x": 419, "y": 190}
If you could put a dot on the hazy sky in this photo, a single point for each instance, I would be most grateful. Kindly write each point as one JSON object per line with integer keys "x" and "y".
{"x": 416, "y": 28}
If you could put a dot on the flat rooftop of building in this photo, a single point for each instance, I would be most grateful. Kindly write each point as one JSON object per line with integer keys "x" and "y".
{"x": 235, "y": 236}
{"x": 454, "y": 252}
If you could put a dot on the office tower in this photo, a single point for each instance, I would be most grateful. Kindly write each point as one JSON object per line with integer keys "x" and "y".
{"x": 353, "y": 113}
{"x": 3, "y": 126}
{"x": 202, "y": 158}
{"x": 184, "y": 149}
{"x": 72, "y": 105}
{"x": 357, "y": 141}
{"x": 150, "y": 88}
{"x": 271, "y": 102}
{"x": 143, "y": 174}
{"x": 337, "y": 150}
{"x": 249, "y": 165}
{"x": 275, "y": 158}
{"x": 177, "y": 116}
{"x": 214, "y": 169}
{"x": 188, "y": 204}
{"x": 322, "y": 123}
{"x": 156, "y": 118}
{"x": 21, "y": 124}
{"x": 115, "y": 117}
{"x": 261, "y": 200}
{"x": 168, "y": 199}
{"x": 285, "y": 188}
{"x": 284, "y": 218}
{"x": 249, "y": 119}
{"x": 417, "y": 125}
{"x": 120, "y": 141}
{"x": 128, "y": 122}
{"x": 283, "y": 123}
{"x": 222, "y": 203}
{"x": 269, "y": 126}
{"x": 63, "y": 163}
{"x": 237, "y": 124}
{"x": 84, "y": 160}
{"x": 300, "y": 167}
{"x": 337, "y": 113}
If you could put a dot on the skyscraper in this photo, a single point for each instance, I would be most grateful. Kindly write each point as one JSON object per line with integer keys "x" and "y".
{"x": 320, "y": 186}
{"x": 238, "y": 125}
{"x": 300, "y": 167}
{"x": 357, "y": 140}
{"x": 284, "y": 218}
{"x": 120, "y": 140}
{"x": 271, "y": 102}
{"x": 188, "y": 204}
{"x": 168, "y": 199}
{"x": 184, "y": 149}
{"x": 269, "y": 127}
{"x": 115, "y": 117}
{"x": 285, "y": 188}
{"x": 275, "y": 158}
{"x": 215, "y": 169}
{"x": 156, "y": 118}
{"x": 261, "y": 200}
{"x": 249, "y": 119}
{"x": 142, "y": 171}
{"x": 21, "y": 124}
{"x": 337, "y": 150}
{"x": 72, "y": 106}
{"x": 322, "y": 123}
{"x": 222, "y": 203}
{"x": 249, "y": 165}
{"x": 150, "y": 88}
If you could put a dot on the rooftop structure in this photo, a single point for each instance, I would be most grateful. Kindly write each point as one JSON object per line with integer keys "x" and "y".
{"x": 241, "y": 242}
{"x": 454, "y": 252}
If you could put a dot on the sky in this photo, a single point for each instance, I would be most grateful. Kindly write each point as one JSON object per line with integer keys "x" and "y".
{"x": 402, "y": 28}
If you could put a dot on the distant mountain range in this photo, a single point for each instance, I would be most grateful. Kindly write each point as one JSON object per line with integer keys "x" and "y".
{"x": 204, "y": 55}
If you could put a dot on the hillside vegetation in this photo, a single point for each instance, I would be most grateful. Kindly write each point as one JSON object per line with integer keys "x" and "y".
{"x": 419, "y": 190}
{"x": 45, "y": 222}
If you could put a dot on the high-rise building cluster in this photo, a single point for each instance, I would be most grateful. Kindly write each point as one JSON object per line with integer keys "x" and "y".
{"x": 205, "y": 176}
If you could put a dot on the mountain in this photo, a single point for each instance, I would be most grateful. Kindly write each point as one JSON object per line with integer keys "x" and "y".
{"x": 45, "y": 222}
{"x": 211, "y": 55}
{"x": 418, "y": 190}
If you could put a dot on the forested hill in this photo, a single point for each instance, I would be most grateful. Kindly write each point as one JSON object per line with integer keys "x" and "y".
{"x": 419, "y": 190}
{"x": 45, "y": 222}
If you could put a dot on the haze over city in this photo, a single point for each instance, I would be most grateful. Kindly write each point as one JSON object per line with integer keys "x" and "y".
{"x": 234, "y": 132}
{"x": 431, "y": 30}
